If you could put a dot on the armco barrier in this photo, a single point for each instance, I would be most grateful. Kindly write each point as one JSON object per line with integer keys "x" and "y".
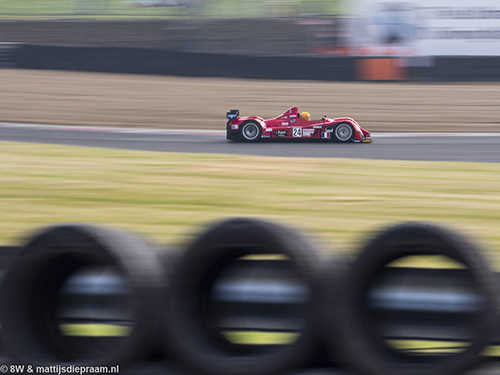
{"x": 148, "y": 61}
{"x": 466, "y": 68}
{"x": 84, "y": 295}
{"x": 325, "y": 68}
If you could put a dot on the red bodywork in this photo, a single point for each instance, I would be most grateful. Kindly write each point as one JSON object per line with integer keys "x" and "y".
{"x": 290, "y": 125}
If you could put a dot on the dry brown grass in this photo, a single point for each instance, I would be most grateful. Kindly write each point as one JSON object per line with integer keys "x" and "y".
{"x": 175, "y": 102}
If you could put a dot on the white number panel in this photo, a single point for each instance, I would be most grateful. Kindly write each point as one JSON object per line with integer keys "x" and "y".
{"x": 297, "y": 132}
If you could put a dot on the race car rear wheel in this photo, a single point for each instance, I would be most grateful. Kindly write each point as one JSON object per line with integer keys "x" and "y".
{"x": 344, "y": 132}
{"x": 250, "y": 131}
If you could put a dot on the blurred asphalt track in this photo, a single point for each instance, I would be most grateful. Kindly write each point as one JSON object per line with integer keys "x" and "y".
{"x": 471, "y": 147}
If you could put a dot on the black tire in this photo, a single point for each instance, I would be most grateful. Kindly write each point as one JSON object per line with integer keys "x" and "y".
{"x": 343, "y": 132}
{"x": 321, "y": 371}
{"x": 31, "y": 290}
{"x": 363, "y": 348}
{"x": 197, "y": 342}
{"x": 250, "y": 131}
{"x": 335, "y": 271}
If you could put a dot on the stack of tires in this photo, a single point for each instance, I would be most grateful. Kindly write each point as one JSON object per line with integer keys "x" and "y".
{"x": 248, "y": 297}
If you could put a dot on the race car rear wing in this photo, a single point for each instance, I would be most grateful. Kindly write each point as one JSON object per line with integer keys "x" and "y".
{"x": 233, "y": 113}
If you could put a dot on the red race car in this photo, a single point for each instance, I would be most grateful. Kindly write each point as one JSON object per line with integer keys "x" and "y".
{"x": 294, "y": 125}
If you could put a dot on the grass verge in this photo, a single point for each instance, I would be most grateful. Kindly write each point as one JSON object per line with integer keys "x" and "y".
{"x": 167, "y": 195}
{"x": 207, "y": 8}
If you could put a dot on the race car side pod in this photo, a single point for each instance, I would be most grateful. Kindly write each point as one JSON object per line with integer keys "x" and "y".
{"x": 364, "y": 330}
{"x": 233, "y": 260}
{"x": 34, "y": 328}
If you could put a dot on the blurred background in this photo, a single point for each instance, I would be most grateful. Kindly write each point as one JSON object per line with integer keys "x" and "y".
{"x": 271, "y": 27}
{"x": 419, "y": 40}
{"x": 357, "y": 27}
{"x": 321, "y": 41}
{"x": 394, "y": 66}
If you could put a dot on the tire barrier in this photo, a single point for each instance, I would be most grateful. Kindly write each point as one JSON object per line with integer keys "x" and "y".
{"x": 365, "y": 322}
{"x": 250, "y": 297}
{"x": 38, "y": 325}
{"x": 207, "y": 278}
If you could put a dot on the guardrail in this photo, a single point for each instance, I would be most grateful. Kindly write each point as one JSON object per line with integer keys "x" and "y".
{"x": 7, "y": 51}
{"x": 331, "y": 68}
{"x": 249, "y": 297}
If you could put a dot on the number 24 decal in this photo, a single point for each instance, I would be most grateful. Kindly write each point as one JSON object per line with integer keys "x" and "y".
{"x": 297, "y": 132}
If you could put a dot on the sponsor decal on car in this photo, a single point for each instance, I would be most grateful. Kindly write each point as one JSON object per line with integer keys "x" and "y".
{"x": 317, "y": 126}
{"x": 291, "y": 116}
{"x": 325, "y": 135}
{"x": 297, "y": 132}
{"x": 269, "y": 130}
{"x": 308, "y": 132}
{"x": 329, "y": 130}
{"x": 266, "y": 135}
{"x": 285, "y": 123}
{"x": 280, "y": 133}
{"x": 234, "y": 127}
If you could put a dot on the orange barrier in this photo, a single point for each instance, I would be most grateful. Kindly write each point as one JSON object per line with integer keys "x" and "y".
{"x": 380, "y": 69}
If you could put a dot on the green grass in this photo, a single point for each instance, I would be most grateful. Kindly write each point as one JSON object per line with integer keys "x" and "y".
{"x": 427, "y": 261}
{"x": 94, "y": 330}
{"x": 260, "y": 338}
{"x": 280, "y": 338}
{"x": 168, "y": 196}
{"x": 442, "y": 347}
{"x": 235, "y": 337}
{"x": 427, "y": 346}
{"x": 211, "y": 8}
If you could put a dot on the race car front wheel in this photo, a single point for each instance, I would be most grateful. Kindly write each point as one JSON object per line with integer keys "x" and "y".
{"x": 250, "y": 131}
{"x": 344, "y": 132}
